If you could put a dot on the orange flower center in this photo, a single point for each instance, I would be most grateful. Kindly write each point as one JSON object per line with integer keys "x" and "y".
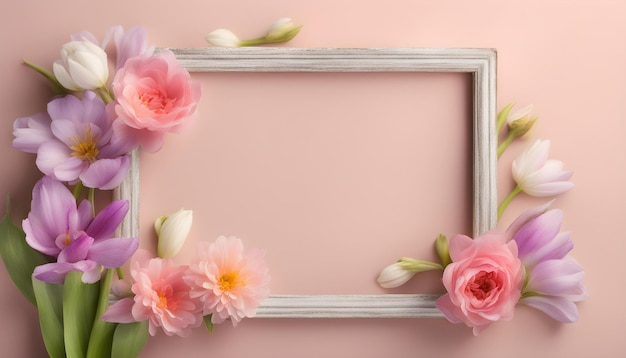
{"x": 85, "y": 148}
{"x": 230, "y": 280}
{"x": 157, "y": 103}
{"x": 166, "y": 300}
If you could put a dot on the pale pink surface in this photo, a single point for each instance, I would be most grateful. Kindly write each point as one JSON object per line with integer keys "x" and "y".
{"x": 566, "y": 57}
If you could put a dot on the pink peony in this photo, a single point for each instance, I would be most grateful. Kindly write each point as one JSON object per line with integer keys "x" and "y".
{"x": 229, "y": 282}
{"x": 483, "y": 282}
{"x": 161, "y": 296}
{"x": 155, "y": 95}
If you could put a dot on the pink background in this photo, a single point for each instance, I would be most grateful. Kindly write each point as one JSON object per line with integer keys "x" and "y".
{"x": 566, "y": 57}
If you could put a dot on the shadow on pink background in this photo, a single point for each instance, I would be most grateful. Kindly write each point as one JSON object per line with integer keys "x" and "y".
{"x": 566, "y": 57}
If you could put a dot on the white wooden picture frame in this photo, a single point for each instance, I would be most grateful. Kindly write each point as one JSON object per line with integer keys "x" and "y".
{"x": 481, "y": 63}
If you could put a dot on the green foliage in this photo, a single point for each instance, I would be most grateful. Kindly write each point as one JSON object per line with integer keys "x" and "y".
{"x": 129, "y": 339}
{"x": 79, "y": 303}
{"x": 49, "y": 298}
{"x": 18, "y": 257}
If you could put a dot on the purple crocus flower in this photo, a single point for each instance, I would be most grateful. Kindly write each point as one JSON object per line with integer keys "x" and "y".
{"x": 554, "y": 279}
{"x": 57, "y": 227}
{"x": 74, "y": 141}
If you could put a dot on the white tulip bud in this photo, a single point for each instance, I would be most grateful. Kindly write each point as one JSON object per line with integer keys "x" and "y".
{"x": 223, "y": 38}
{"x": 172, "y": 231}
{"x": 83, "y": 66}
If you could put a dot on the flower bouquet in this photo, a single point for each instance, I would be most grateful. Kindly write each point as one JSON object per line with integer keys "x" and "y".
{"x": 110, "y": 98}
{"x": 486, "y": 277}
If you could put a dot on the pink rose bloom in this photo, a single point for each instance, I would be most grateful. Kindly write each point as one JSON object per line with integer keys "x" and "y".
{"x": 483, "y": 282}
{"x": 155, "y": 95}
{"x": 161, "y": 296}
{"x": 229, "y": 281}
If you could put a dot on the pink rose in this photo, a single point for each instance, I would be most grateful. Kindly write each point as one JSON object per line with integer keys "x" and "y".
{"x": 155, "y": 95}
{"x": 483, "y": 282}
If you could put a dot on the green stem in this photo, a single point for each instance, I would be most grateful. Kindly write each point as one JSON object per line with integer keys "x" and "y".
{"x": 105, "y": 95}
{"x": 508, "y": 200}
{"x": 120, "y": 273}
{"x": 78, "y": 188}
{"x": 92, "y": 200}
{"x": 505, "y": 143}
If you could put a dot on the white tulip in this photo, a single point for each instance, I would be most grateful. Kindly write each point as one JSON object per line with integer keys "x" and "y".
{"x": 83, "y": 66}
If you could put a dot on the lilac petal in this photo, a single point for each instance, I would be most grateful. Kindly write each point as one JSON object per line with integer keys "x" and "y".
{"x": 70, "y": 169}
{"x": 50, "y": 155}
{"x": 39, "y": 239}
{"x": 84, "y": 35}
{"x": 106, "y": 222}
{"x": 94, "y": 110}
{"x": 55, "y": 272}
{"x": 526, "y": 217}
{"x": 559, "y": 308}
{"x": 31, "y": 132}
{"x": 51, "y": 207}
{"x": 84, "y": 216}
{"x": 557, "y": 278}
{"x": 77, "y": 250}
{"x": 106, "y": 174}
{"x": 130, "y": 44}
{"x": 120, "y": 311}
{"x": 537, "y": 233}
{"x": 67, "y": 131}
{"x": 93, "y": 275}
{"x": 112, "y": 253}
{"x": 68, "y": 107}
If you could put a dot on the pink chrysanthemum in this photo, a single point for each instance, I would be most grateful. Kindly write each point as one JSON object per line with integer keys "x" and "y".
{"x": 162, "y": 297}
{"x": 229, "y": 281}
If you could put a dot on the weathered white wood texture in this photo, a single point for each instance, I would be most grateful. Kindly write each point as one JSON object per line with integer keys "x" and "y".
{"x": 481, "y": 63}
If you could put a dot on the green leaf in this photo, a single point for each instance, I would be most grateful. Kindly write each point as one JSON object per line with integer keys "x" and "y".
{"x": 101, "y": 338}
{"x": 129, "y": 339}
{"x": 49, "y": 298}
{"x": 208, "y": 324}
{"x": 79, "y": 303}
{"x": 19, "y": 258}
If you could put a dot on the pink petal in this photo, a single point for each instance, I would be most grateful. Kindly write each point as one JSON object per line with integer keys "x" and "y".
{"x": 458, "y": 244}
{"x": 559, "y": 308}
{"x": 120, "y": 311}
{"x": 450, "y": 310}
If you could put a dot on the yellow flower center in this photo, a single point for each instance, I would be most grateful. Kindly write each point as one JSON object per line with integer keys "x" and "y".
{"x": 230, "y": 280}
{"x": 85, "y": 148}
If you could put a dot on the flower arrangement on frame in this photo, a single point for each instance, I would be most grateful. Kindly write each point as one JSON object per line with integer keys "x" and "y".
{"x": 528, "y": 263}
{"x": 116, "y": 95}
{"x": 111, "y": 97}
